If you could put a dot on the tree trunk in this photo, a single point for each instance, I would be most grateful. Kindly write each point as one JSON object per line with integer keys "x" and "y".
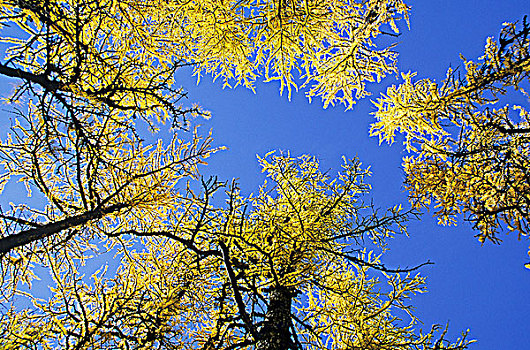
{"x": 19, "y": 239}
{"x": 276, "y": 333}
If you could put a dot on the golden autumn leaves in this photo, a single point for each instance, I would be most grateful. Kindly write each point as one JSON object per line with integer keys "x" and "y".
{"x": 186, "y": 273}
{"x": 209, "y": 281}
{"x": 326, "y": 46}
{"x": 468, "y": 150}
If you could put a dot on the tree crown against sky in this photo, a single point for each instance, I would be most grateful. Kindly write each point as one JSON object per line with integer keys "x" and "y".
{"x": 284, "y": 269}
{"x": 76, "y": 46}
{"x": 89, "y": 55}
{"x": 327, "y": 46}
{"x": 468, "y": 143}
{"x": 88, "y": 72}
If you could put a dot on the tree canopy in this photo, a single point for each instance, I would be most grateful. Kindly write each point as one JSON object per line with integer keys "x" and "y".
{"x": 284, "y": 269}
{"x": 328, "y": 46}
{"x": 469, "y": 147}
{"x": 89, "y": 71}
{"x": 298, "y": 265}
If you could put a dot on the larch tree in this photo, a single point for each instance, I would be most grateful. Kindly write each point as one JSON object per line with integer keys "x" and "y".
{"x": 469, "y": 147}
{"x": 327, "y": 46}
{"x": 86, "y": 74}
{"x": 287, "y": 268}
{"x": 89, "y": 70}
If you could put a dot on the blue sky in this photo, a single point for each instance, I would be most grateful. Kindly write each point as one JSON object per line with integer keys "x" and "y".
{"x": 483, "y": 288}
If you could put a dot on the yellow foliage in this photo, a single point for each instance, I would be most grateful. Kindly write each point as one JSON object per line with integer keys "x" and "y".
{"x": 469, "y": 154}
{"x": 291, "y": 259}
{"x": 222, "y": 277}
{"x": 327, "y": 45}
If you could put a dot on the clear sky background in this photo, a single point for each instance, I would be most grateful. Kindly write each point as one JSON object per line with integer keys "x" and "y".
{"x": 483, "y": 288}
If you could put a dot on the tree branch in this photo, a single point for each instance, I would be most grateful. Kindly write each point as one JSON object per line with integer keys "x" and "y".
{"x": 28, "y": 236}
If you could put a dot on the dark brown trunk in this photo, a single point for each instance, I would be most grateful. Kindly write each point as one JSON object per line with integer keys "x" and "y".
{"x": 276, "y": 331}
{"x": 28, "y": 236}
